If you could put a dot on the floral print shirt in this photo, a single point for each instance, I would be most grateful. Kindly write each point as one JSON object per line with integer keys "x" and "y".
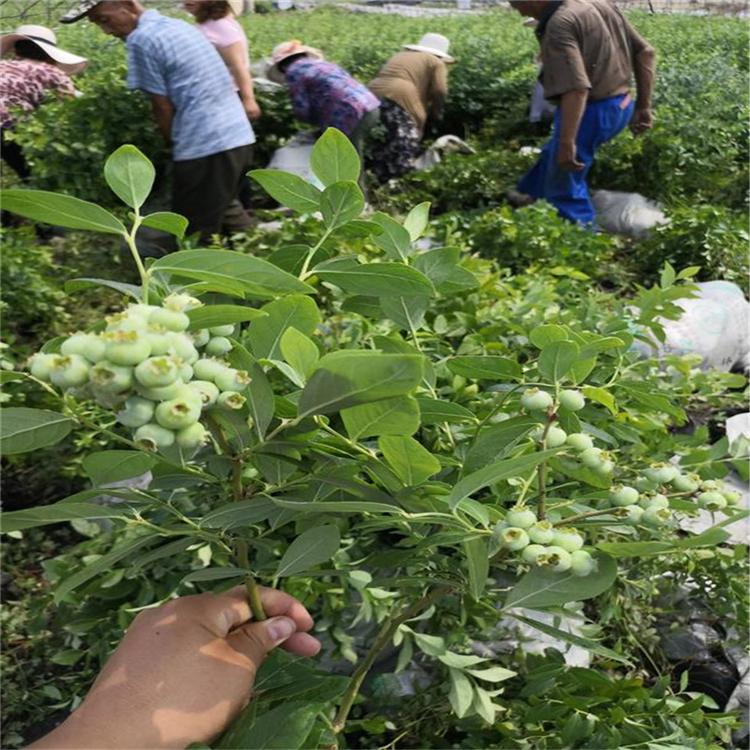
{"x": 327, "y": 96}
{"x": 23, "y": 85}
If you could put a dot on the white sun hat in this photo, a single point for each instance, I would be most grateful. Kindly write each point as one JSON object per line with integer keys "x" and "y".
{"x": 435, "y": 44}
{"x": 46, "y": 40}
{"x": 237, "y": 6}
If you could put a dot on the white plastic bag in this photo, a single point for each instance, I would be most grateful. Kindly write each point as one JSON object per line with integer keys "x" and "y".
{"x": 626, "y": 213}
{"x": 294, "y": 157}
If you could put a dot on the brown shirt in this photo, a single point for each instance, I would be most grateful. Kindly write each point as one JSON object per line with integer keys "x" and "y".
{"x": 416, "y": 81}
{"x": 588, "y": 44}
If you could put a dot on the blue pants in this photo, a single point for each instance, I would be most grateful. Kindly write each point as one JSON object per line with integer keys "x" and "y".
{"x": 567, "y": 191}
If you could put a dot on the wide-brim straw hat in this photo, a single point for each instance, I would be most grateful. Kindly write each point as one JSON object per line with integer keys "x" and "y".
{"x": 46, "y": 40}
{"x": 284, "y": 51}
{"x": 435, "y": 44}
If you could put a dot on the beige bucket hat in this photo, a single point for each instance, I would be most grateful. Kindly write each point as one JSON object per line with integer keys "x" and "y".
{"x": 46, "y": 40}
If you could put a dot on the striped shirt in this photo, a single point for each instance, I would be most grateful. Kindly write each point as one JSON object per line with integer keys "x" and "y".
{"x": 171, "y": 58}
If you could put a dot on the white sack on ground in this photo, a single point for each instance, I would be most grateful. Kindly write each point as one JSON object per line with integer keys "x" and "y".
{"x": 294, "y": 157}
{"x": 715, "y": 325}
{"x": 626, "y": 213}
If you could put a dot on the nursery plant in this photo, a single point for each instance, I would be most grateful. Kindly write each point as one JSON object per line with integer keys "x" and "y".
{"x": 336, "y": 424}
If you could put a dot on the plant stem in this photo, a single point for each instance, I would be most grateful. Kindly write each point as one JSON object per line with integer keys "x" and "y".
{"x": 251, "y": 586}
{"x": 587, "y": 514}
{"x": 303, "y": 274}
{"x": 541, "y": 510}
{"x": 130, "y": 240}
{"x": 387, "y": 631}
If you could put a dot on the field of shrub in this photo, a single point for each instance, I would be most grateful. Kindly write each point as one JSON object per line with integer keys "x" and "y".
{"x": 415, "y": 415}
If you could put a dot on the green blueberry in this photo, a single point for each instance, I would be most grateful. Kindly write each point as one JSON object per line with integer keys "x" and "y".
{"x": 569, "y": 539}
{"x": 520, "y": 517}
{"x": 152, "y": 437}
{"x": 226, "y": 330}
{"x": 632, "y": 514}
{"x": 642, "y": 484}
{"x": 161, "y": 393}
{"x": 622, "y": 495}
{"x": 591, "y": 457}
{"x": 581, "y": 563}
{"x": 40, "y": 365}
{"x": 514, "y": 538}
{"x": 579, "y": 441}
{"x": 655, "y": 516}
{"x": 172, "y": 320}
{"x": 186, "y": 373}
{"x": 69, "y": 370}
{"x": 661, "y": 473}
{"x": 126, "y": 347}
{"x": 555, "y": 558}
{"x": 159, "y": 340}
{"x": 535, "y": 400}
{"x": 127, "y": 322}
{"x": 232, "y": 380}
{"x": 200, "y": 338}
{"x": 686, "y": 482}
{"x": 208, "y": 369}
{"x": 712, "y": 501}
{"x": 186, "y": 393}
{"x": 231, "y": 400}
{"x": 156, "y": 372}
{"x": 192, "y": 437}
{"x": 531, "y": 553}
{"x": 181, "y": 345}
{"x": 177, "y": 413}
{"x": 180, "y": 302}
{"x": 572, "y": 400}
{"x": 556, "y": 437}
{"x": 136, "y": 412}
{"x": 110, "y": 378}
{"x": 218, "y": 346}
{"x": 206, "y": 390}
{"x": 731, "y": 496}
{"x": 656, "y": 500}
{"x": 605, "y": 467}
{"x": 87, "y": 345}
{"x": 542, "y": 532}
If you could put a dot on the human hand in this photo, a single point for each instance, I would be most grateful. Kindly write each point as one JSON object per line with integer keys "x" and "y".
{"x": 183, "y": 671}
{"x": 252, "y": 109}
{"x": 641, "y": 121}
{"x": 566, "y": 157}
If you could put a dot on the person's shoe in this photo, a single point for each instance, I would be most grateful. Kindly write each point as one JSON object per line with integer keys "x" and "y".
{"x": 518, "y": 199}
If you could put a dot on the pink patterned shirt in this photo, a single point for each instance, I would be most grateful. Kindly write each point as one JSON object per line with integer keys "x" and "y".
{"x": 24, "y": 83}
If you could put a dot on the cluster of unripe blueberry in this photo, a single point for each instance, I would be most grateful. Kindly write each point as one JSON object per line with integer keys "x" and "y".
{"x": 147, "y": 365}
{"x": 540, "y": 543}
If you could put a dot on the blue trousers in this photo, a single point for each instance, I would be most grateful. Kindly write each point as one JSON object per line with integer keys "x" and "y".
{"x": 567, "y": 191}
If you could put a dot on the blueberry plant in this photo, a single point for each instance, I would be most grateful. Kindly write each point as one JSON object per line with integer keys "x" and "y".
{"x": 318, "y": 420}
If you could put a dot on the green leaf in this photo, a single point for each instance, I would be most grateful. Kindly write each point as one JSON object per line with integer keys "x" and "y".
{"x": 394, "y": 239}
{"x": 441, "y": 268}
{"x": 105, "y": 467}
{"x": 166, "y": 221}
{"x": 391, "y": 416}
{"x": 410, "y": 461}
{"x": 635, "y": 549}
{"x": 348, "y": 378}
{"x": 461, "y": 693}
{"x": 435, "y": 411}
{"x": 709, "y": 538}
{"x": 210, "y": 316}
{"x": 374, "y": 279}
{"x": 228, "y": 270}
{"x": 130, "y": 175}
{"x": 541, "y": 588}
{"x": 338, "y": 506}
{"x": 478, "y": 564}
{"x": 44, "y": 515}
{"x": 259, "y": 393}
{"x": 496, "y": 472}
{"x": 492, "y": 674}
{"x": 61, "y": 210}
{"x": 546, "y": 334}
{"x": 497, "y": 441}
{"x": 406, "y": 312}
{"x": 483, "y": 705}
{"x": 289, "y": 190}
{"x": 556, "y": 359}
{"x": 23, "y": 430}
{"x": 299, "y": 351}
{"x": 576, "y": 640}
{"x": 243, "y": 513}
{"x": 601, "y": 396}
{"x": 314, "y": 546}
{"x": 213, "y": 574}
{"x": 101, "y": 565}
{"x": 334, "y": 158}
{"x": 485, "y": 368}
{"x": 284, "y": 727}
{"x": 416, "y": 220}
{"x": 340, "y": 203}
{"x": 294, "y": 310}
{"x": 77, "y": 285}
{"x": 432, "y": 645}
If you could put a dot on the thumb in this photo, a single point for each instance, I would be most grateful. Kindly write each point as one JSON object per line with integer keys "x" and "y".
{"x": 256, "y": 639}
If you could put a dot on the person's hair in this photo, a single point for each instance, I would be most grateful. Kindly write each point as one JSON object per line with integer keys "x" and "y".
{"x": 287, "y": 61}
{"x": 211, "y": 10}
{"x": 31, "y": 51}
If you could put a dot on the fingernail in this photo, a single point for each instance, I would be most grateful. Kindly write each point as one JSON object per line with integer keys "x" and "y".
{"x": 280, "y": 628}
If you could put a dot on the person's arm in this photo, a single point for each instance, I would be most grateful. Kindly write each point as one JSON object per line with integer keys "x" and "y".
{"x": 301, "y": 104}
{"x": 183, "y": 672}
{"x": 163, "y": 111}
{"x": 572, "y": 105}
{"x": 234, "y": 57}
{"x": 644, "y": 65}
{"x": 438, "y": 90}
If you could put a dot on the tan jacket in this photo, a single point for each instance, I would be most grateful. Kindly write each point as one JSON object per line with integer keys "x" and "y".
{"x": 416, "y": 81}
